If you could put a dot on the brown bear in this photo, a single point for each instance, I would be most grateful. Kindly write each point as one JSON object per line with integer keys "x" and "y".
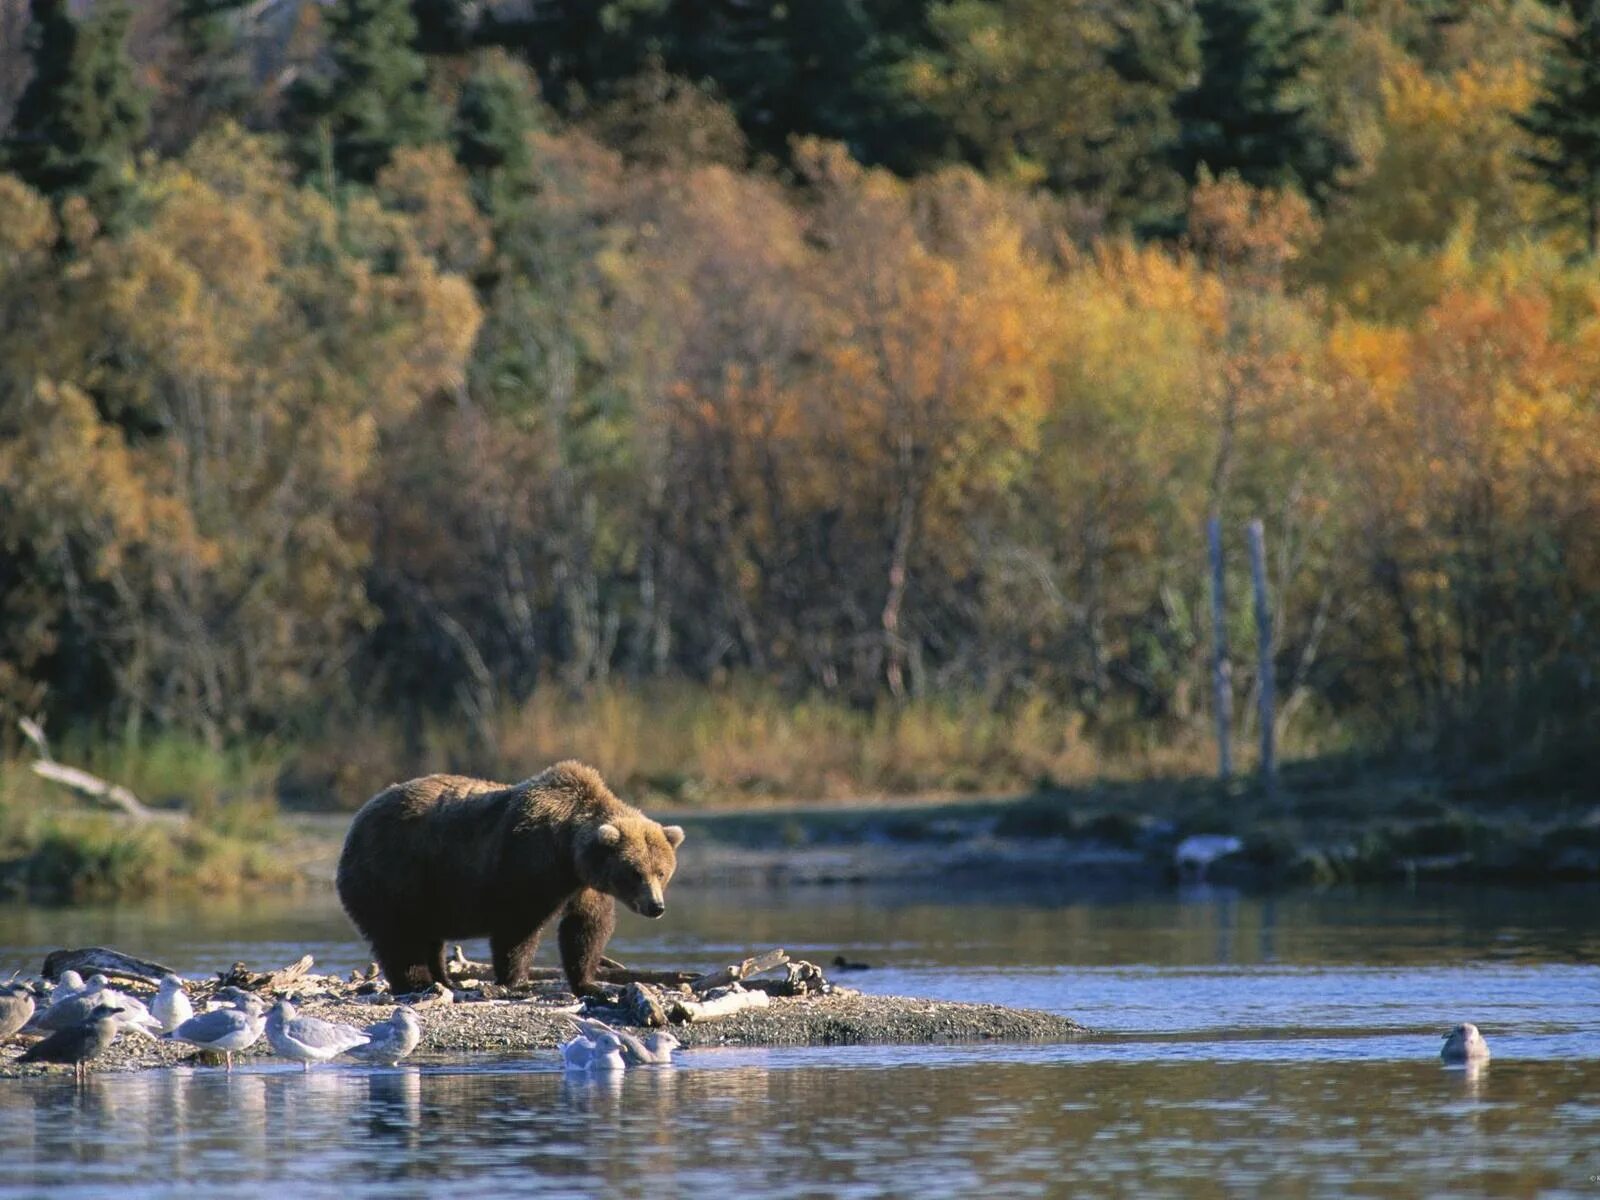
{"x": 446, "y": 856}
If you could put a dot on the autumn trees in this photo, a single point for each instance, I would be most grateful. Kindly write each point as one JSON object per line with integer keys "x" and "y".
{"x": 448, "y": 380}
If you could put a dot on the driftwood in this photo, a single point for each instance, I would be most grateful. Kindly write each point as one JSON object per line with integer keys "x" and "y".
{"x": 723, "y": 1003}
{"x": 611, "y": 971}
{"x": 97, "y": 960}
{"x": 241, "y": 976}
{"x": 78, "y": 780}
{"x": 738, "y": 972}
{"x": 643, "y": 1006}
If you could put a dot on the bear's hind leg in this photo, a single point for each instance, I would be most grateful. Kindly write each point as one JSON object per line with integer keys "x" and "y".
{"x": 512, "y": 952}
{"x": 585, "y": 929}
{"x": 405, "y": 966}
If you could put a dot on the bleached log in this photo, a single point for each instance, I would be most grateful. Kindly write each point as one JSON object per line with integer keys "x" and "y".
{"x": 80, "y": 781}
{"x": 725, "y": 1004}
{"x": 747, "y": 969}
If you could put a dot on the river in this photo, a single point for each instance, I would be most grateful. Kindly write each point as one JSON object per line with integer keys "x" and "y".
{"x": 1245, "y": 1046}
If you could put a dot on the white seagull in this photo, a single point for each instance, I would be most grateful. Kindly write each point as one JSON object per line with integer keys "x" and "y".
{"x": 654, "y": 1049}
{"x": 308, "y": 1040}
{"x": 1464, "y": 1044}
{"x": 597, "y": 1055}
{"x": 390, "y": 1041}
{"x": 171, "y": 1006}
{"x": 223, "y": 1030}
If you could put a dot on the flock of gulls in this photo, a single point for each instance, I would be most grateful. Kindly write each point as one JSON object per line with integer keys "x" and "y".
{"x": 82, "y": 1019}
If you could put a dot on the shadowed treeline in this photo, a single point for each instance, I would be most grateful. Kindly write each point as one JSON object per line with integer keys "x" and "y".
{"x": 383, "y": 393}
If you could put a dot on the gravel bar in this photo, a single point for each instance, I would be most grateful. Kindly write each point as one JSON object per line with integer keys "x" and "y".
{"x": 511, "y": 1027}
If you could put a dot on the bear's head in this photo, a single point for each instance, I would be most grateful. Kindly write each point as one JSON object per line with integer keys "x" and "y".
{"x": 632, "y": 858}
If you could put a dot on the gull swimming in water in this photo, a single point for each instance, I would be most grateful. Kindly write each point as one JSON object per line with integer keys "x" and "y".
{"x": 171, "y": 1006}
{"x": 654, "y": 1049}
{"x": 599, "y": 1055}
{"x": 80, "y": 1043}
{"x": 223, "y": 1030}
{"x": 308, "y": 1039}
{"x": 390, "y": 1041}
{"x": 16, "y": 1008}
{"x": 1464, "y": 1044}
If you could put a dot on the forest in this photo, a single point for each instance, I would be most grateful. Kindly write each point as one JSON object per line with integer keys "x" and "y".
{"x": 823, "y": 396}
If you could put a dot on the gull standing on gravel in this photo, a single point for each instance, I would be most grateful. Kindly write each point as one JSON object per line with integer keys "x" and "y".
{"x": 390, "y": 1041}
{"x": 598, "y": 1055}
{"x": 136, "y": 1016}
{"x": 16, "y": 1008}
{"x": 308, "y": 1039}
{"x": 1464, "y": 1044}
{"x": 80, "y": 1043}
{"x": 171, "y": 1006}
{"x": 655, "y": 1049}
{"x": 223, "y": 1030}
{"x": 73, "y": 1008}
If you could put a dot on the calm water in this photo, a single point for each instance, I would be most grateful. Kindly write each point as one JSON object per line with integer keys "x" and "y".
{"x": 1245, "y": 1047}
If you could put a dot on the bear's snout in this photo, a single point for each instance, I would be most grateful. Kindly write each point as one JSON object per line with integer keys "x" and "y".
{"x": 652, "y": 908}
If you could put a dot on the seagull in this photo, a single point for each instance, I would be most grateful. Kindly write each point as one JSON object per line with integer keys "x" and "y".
{"x": 601, "y": 1054}
{"x": 86, "y": 1040}
{"x": 1464, "y": 1044}
{"x": 71, "y": 1009}
{"x": 223, "y": 1030}
{"x": 135, "y": 1015}
{"x": 308, "y": 1039}
{"x": 390, "y": 1041}
{"x": 1198, "y": 851}
{"x": 171, "y": 1006}
{"x": 16, "y": 1008}
{"x": 70, "y": 983}
{"x": 655, "y": 1049}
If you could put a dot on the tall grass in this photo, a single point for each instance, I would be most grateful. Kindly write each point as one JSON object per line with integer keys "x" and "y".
{"x": 748, "y": 743}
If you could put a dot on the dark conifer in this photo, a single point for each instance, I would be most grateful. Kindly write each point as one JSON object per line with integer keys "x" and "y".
{"x": 372, "y": 99}
{"x": 1566, "y": 118}
{"x": 82, "y": 116}
{"x": 1242, "y": 114}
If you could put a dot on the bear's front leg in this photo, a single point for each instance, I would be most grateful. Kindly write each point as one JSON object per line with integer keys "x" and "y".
{"x": 512, "y": 951}
{"x": 585, "y": 929}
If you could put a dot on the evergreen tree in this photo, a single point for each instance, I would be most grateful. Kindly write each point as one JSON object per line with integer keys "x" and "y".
{"x": 82, "y": 115}
{"x": 497, "y": 109}
{"x": 215, "y": 72}
{"x": 1566, "y": 118}
{"x": 374, "y": 97}
{"x": 1241, "y": 114}
{"x": 443, "y": 26}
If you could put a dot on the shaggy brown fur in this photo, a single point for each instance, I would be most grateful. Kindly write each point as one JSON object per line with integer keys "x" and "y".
{"x": 446, "y": 857}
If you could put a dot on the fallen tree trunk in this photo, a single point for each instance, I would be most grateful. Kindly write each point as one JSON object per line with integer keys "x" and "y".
{"x": 80, "y": 781}
{"x": 733, "y": 1000}
{"x": 737, "y": 972}
{"x": 97, "y": 960}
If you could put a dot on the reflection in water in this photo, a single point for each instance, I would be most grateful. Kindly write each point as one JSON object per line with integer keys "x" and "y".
{"x": 1198, "y": 926}
{"x": 763, "y": 1122}
{"x": 1285, "y": 1045}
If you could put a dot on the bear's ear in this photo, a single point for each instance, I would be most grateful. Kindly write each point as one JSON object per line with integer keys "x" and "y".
{"x": 674, "y": 835}
{"x": 608, "y": 834}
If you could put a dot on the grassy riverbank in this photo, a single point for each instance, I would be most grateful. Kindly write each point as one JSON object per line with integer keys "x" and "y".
{"x": 766, "y": 782}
